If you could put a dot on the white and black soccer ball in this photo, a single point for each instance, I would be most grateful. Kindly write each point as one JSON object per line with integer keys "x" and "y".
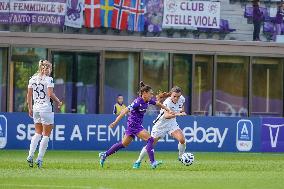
{"x": 187, "y": 159}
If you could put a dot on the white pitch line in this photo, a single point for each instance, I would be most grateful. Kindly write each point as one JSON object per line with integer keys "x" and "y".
{"x": 45, "y": 186}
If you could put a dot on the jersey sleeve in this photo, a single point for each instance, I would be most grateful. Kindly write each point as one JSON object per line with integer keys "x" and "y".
{"x": 135, "y": 104}
{"x": 182, "y": 99}
{"x": 50, "y": 82}
{"x": 30, "y": 85}
{"x": 152, "y": 101}
{"x": 114, "y": 109}
{"x": 167, "y": 103}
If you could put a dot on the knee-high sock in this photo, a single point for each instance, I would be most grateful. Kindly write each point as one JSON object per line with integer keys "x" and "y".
{"x": 150, "y": 150}
{"x": 114, "y": 148}
{"x": 181, "y": 149}
{"x": 142, "y": 154}
{"x": 35, "y": 139}
{"x": 43, "y": 146}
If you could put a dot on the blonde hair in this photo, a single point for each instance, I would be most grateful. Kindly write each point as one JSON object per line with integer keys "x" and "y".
{"x": 41, "y": 65}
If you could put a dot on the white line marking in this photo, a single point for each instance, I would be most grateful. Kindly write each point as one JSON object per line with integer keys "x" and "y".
{"x": 44, "y": 186}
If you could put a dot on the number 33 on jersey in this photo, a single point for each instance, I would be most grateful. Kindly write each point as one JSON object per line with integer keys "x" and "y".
{"x": 41, "y": 101}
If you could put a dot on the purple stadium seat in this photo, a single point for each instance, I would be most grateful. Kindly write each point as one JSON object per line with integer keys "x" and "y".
{"x": 268, "y": 27}
{"x": 268, "y": 30}
{"x": 265, "y": 13}
{"x": 223, "y": 27}
{"x": 282, "y": 28}
{"x": 248, "y": 12}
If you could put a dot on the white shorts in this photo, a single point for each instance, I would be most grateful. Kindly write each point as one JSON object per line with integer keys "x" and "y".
{"x": 46, "y": 118}
{"x": 160, "y": 130}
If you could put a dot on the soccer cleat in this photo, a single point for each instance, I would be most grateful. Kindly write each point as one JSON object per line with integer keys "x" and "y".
{"x": 136, "y": 165}
{"x": 179, "y": 158}
{"x": 39, "y": 163}
{"x": 30, "y": 161}
{"x": 102, "y": 157}
{"x": 155, "y": 164}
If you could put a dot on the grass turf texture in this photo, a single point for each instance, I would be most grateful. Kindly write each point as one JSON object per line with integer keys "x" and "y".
{"x": 81, "y": 170}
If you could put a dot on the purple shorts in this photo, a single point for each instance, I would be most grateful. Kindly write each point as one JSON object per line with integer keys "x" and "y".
{"x": 133, "y": 131}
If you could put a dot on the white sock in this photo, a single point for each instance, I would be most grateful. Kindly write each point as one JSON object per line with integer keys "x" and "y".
{"x": 181, "y": 149}
{"x": 33, "y": 145}
{"x": 43, "y": 146}
{"x": 143, "y": 153}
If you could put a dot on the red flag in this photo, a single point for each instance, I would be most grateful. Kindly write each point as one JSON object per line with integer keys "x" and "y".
{"x": 92, "y": 14}
{"x": 120, "y": 14}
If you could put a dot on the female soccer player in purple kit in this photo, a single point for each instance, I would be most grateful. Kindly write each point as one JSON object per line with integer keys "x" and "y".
{"x": 134, "y": 124}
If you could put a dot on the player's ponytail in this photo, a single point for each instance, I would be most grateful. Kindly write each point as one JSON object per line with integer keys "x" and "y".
{"x": 144, "y": 88}
{"x": 40, "y": 67}
{"x": 162, "y": 96}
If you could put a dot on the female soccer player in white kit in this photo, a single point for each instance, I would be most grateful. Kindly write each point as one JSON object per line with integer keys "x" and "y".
{"x": 39, "y": 98}
{"x": 166, "y": 122}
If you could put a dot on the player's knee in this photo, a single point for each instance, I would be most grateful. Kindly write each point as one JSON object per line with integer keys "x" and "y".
{"x": 182, "y": 141}
{"x": 150, "y": 140}
{"x": 124, "y": 144}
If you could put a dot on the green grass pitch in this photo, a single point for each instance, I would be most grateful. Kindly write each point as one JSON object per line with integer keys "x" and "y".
{"x": 81, "y": 170}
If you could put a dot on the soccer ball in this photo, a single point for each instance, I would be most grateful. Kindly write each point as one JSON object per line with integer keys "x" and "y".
{"x": 187, "y": 159}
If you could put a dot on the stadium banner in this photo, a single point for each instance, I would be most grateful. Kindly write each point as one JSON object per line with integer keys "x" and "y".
{"x": 4, "y": 11}
{"x": 272, "y": 136}
{"x": 74, "y": 14}
{"x": 45, "y": 12}
{"x": 180, "y": 14}
{"x": 91, "y": 132}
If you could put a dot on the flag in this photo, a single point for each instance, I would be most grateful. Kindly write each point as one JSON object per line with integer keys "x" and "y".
{"x": 92, "y": 14}
{"x": 136, "y": 15}
{"x": 154, "y": 15}
{"x": 120, "y": 14}
{"x": 106, "y": 12}
{"x": 74, "y": 14}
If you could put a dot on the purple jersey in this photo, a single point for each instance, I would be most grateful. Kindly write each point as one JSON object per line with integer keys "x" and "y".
{"x": 137, "y": 110}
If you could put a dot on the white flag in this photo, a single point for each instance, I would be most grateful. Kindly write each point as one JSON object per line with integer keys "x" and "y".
{"x": 74, "y": 14}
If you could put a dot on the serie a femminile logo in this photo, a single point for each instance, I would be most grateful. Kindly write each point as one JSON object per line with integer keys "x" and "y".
{"x": 244, "y": 139}
{"x": 3, "y": 131}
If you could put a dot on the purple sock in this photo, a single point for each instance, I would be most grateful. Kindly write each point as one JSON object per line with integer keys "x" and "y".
{"x": 114, "y": 148}
{"x": 150, "y": 150}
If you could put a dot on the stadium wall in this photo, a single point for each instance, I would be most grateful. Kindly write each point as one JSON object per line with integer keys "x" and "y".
{"x": 91, "y": 132}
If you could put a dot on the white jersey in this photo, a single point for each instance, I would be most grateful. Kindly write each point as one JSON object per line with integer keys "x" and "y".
{"x": 175, "y": 107}
{"x": 41, "y": 101}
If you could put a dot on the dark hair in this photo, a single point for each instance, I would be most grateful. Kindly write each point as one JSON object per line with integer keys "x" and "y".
{"x": 119, "y": 95}
{"x": 255, "y": 2}
{"x": 176, "y": 89}
{"x": 144, "y": 88}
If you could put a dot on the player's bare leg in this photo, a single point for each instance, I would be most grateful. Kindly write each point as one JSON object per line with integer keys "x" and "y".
{"x": 179, "y": 136}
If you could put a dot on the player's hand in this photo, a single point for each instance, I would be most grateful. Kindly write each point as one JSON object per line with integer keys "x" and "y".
{"x": 31, "y": 113}
{"x": 112, "y": 125}
{"x": 182, "y": 113}
{"x": 171, "y": 112}
{"x": 59, "y": 105}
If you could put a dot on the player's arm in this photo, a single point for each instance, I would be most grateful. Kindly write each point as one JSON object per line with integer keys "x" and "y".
{"x": 29, "y": 101}
{"x": 51, "y": 94}
{"x": 119, "y": 117}
{"x": 160, "y": 105}
{"x": 169, "y": 115}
